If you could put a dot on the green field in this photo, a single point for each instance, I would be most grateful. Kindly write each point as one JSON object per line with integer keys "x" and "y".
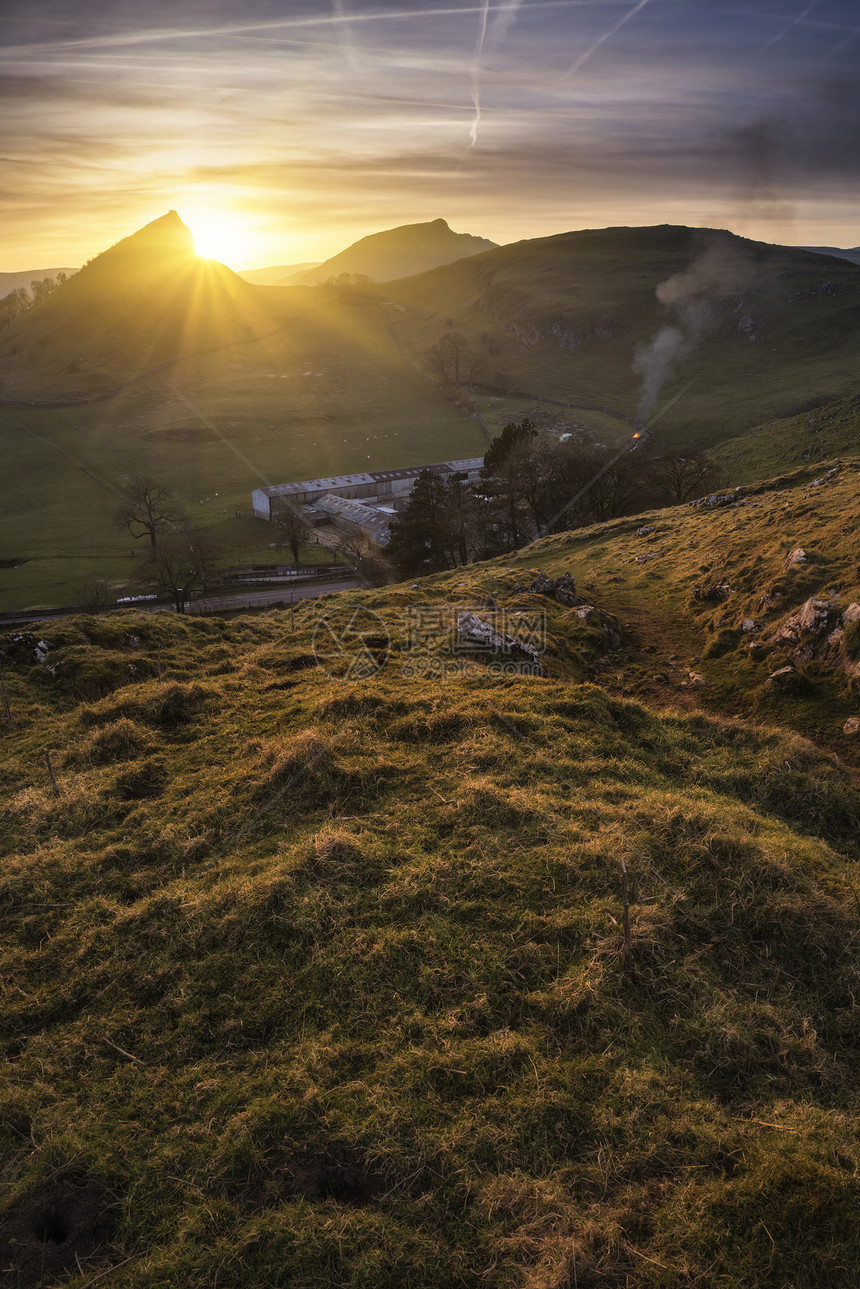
{"x": 300, "y": 385}
{"x": 298, "y": 406}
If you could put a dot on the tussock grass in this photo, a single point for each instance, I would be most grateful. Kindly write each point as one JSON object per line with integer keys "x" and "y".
{"x": 324, "y": 983}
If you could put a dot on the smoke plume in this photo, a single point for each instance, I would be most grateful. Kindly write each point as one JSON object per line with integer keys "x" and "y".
{"x": 721, "y": 270}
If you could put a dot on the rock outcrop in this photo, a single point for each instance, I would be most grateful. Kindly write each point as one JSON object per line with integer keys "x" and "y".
{"x": 815, "y": 632}
{"x": 474, "y": 632}
{"x": 563, "y": 590}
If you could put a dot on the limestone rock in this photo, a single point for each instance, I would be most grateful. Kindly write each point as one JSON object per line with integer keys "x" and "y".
{"x": 594, "y": 617}
{"x": 851, "y": 726}
{"x": 851, "y": 614}
{"x": 543, "y": 585}
{"x": 797, "y": 556}
{"x": 811, "y": 618}
{"x": 473, "y": 632}
{"x": 565, "y": 591}
{"x": 716, "y": 499}
{"x": 562, "y": 588}
{"x": 783, "y": 678}
{"x": 748, "y": 625}
{"x": 645, "y": 531}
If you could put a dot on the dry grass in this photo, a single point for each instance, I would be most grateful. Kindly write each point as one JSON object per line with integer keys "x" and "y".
{"x": 323, "y": 981}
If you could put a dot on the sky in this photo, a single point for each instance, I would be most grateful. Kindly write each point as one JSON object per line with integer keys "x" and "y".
{"x": 284, "y": 130}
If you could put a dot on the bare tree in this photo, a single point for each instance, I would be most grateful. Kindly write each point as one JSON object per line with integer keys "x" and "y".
{"x": 680, "y": 475}
{"x": 149, "y": 509}
{"x": 13, "y": 304}
{"x": 182, "y": 564}
{"x": 453, "y": 360}
{"x": 365, "y": 557}
{"x": 95, "y": 594}
{"x": 294, "y": 528}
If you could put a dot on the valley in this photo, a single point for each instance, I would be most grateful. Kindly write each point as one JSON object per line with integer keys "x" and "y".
{"x": 492, "y": 928}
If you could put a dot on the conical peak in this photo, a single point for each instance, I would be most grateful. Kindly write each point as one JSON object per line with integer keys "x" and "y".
{"x": 165, "y": 236}
{"x": 167, "y": 231}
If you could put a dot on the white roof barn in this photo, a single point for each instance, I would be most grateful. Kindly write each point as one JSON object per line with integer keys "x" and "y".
{"x": 365, "y": 486}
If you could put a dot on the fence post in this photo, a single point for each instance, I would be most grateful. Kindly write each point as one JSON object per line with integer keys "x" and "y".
{"x": 51, "y": 772}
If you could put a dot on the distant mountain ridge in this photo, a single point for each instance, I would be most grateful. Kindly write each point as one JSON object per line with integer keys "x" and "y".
{"x": 851, "y": 253}
{"x": 398, "y": 252}
{"x": 276, "y": 274}
{"x": 10, "y": 282}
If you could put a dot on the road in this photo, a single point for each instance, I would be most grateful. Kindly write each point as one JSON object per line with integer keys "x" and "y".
{"x": 221, "y": 604}
{"x": 275, "y": 595}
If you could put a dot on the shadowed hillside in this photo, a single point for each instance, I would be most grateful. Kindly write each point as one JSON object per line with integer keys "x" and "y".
{"x": 147, "y": 300}
{"x": 627, "y": 317}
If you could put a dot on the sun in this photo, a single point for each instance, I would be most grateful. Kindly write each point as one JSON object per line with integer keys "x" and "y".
{"x": 220, "y": 236}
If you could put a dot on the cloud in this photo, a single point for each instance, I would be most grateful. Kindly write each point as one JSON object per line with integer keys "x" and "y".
{"x": 366, "y": 101}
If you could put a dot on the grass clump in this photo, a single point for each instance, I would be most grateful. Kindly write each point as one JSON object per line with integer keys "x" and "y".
{"x": 325, "y": 982}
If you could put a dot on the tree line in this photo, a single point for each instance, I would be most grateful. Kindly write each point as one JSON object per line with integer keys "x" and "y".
{"x": 20, "y": 300}
{"x": 532, "y": 485}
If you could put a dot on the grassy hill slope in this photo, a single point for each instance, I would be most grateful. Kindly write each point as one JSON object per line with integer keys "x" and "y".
{"x": 145, "y": 301}
{"x": 561, "y": 318}
{"x": 682, "y": 582}
{"x": 817, "y": 432}
{"x": 397, "y": 252}
{"x": 317, "y": 980}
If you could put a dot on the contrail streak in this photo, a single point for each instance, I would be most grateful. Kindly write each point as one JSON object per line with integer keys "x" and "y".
{"x": 476, "y": 73}
{"x": 794, "y": 22}
{"x": 168, "y": 35}
{"x": 607, "y": 35}
{"x": 344, "y": 32}
{"x": 852, "y": 35}
{"x": 502, "y": 19}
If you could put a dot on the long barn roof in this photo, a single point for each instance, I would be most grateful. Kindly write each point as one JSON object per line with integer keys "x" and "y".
{"x": 371, "y": 476}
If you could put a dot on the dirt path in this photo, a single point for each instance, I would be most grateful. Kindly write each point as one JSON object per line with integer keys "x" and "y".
{"x": 660, "y": 661}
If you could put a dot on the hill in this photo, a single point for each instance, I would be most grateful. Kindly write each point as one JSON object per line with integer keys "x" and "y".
{"x": 143, "y": 302}
{"x": 817, "y": 430}
{"x": 398, "y": 252}
{"x": 573, "y": 332}
{"x": 12, "y": 281}
{"x": 275, "y": 274}
{"x": 853, "y": 254}
{"x": 626, "y": 318}
{"x": 323, "y": 978}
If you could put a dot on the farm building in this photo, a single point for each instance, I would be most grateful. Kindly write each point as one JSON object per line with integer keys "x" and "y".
{"x": 356, "y": 517}
{"x": 387, "y": 486}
